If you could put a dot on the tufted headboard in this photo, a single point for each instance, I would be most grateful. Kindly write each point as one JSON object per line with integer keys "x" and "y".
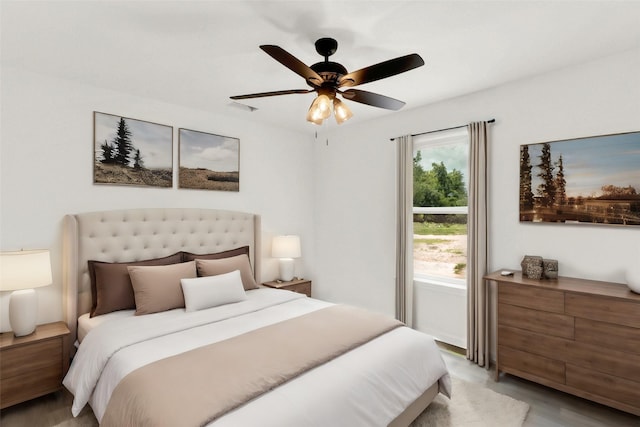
{"x": 138, "y": 234}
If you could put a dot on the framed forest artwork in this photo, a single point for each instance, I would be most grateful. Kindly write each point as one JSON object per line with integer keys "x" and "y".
{"x": 208, "y": 161}
{"x": 131, "y": 152}
{"x": 593, "y": 180}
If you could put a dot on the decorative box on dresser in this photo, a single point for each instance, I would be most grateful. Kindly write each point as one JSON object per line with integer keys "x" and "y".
{"x": 33, "y": 365}
{"x": 575, "y": 335}
{"x": 301, "y": 286}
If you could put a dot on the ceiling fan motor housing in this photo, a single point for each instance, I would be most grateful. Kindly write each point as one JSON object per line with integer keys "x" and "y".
{"x": 329, "y": 71}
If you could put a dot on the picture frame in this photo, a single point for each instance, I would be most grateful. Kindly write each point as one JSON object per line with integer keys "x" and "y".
{"x": 131, "y": 152}
{"x": 208, "y": 161}
{"x": 590, "y": 180}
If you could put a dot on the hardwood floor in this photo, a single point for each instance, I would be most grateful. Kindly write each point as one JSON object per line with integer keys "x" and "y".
{"x": 549, "y": 408}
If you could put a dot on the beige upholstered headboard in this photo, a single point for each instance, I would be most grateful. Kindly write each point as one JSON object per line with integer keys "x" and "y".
{"x": 138, "y": 234}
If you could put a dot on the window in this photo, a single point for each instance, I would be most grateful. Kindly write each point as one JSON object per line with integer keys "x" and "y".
{"x": 440, "y": 189}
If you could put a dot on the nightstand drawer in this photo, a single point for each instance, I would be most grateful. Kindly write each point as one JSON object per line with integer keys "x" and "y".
{"x": 304, "y": 288}
{"x": 301, "y": 286}
{"x": 30, "y": 384}
{"x": 24, "y": 359}
{"x": 33, "y": 365}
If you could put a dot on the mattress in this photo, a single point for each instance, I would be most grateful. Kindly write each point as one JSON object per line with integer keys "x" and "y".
{"x": 369, "y": 385}
{"x": 86, "y": 323}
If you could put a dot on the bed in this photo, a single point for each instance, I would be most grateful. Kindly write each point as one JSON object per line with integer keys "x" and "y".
{"x": 388, "y": 378}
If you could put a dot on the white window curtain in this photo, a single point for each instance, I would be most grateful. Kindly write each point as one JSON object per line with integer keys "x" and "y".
{"x": 404, "y": 232}
{"x": 477, "y": 291}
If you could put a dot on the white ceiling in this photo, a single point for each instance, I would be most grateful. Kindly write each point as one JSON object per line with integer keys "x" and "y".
{"x": 198, "y": 53}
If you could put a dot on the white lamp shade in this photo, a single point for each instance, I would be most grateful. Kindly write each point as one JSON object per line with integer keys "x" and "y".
{"x": 24, "y": 270}
{"x": 286, "y": 247}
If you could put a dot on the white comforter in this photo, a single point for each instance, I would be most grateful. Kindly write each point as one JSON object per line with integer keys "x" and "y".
{"x": 384, "y": 375}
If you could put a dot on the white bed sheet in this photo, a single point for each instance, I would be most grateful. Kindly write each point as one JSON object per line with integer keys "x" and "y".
{"x": 368, "y": 396}
{"x": 87, "y": 323}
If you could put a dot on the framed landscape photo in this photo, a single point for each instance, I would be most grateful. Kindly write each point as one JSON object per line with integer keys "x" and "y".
{"x": 593, "y": 180}
{"x": 131, "y": 152}
{"x": 208, "y": 161}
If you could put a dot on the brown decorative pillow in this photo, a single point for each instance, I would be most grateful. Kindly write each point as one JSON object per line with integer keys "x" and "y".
{"x": 110, "y": 284}
{"x": 188, "y": 256}
{"x": 158, "y": 288}
{"x": 213, "y": 267}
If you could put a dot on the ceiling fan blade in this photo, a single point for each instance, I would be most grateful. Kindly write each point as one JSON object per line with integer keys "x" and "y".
{"x": 382, "y": 70}
{"x": 374, "y": 99}
{"x": 276, "y": 93}
{"x": 293, "y": 63}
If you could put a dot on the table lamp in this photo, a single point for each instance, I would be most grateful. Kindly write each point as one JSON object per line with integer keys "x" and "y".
{"x": 286, "y": 248}
{"x": 20, "y": 272}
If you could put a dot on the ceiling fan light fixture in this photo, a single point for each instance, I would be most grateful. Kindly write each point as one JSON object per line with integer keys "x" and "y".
{"x": 327, "y": 77}
{"x": 314, "y": 115}
{"x": 341, "y": 112}
{"x": 323, "y": 104}
{"x": 320, "y": 109}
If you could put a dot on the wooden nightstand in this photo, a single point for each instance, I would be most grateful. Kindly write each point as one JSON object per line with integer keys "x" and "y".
{"x": 302, "y": 286}
{"x": 33, "y": 365}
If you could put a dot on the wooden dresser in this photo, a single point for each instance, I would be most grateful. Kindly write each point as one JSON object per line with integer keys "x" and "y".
{"x": 578, "y": 336}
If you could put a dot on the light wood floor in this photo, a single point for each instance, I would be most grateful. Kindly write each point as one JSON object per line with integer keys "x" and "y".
{"x": 549, "y": 408}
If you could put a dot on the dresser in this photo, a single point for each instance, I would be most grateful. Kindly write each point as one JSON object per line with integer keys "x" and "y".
{"x": 578, "y": 336}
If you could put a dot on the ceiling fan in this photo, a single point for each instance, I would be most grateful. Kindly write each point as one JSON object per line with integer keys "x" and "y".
{"x": 327, "y": 78}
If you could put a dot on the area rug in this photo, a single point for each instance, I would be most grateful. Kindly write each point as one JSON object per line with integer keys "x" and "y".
{"x": 472, "y": 405}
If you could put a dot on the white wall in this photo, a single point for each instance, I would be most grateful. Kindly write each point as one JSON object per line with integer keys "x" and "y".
{"x": 46, "y": 157}
{"x": 355, "y": 179}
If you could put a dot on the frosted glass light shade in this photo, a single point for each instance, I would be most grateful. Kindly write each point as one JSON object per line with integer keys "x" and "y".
{"x": 341, "y": 111}
{"x": 21, "y": 271}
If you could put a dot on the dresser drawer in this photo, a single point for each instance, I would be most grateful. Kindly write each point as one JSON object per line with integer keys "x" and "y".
{"x": 610, "y": 310}
{"x": 608, "y": 335}
{"x": 527, "y": 363}
{"x": 603, "y": 359}
{"x": 608, "y": 386}
{"x": 531, "y": 297}
{"x": 22, "y": 360}
{"x": 530, "y": 342}
{"x": 557, "y": 325}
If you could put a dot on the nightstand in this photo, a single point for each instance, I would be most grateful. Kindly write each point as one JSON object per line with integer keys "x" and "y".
{"x": 301, "y": 286}
{"x": 33, "y": 365}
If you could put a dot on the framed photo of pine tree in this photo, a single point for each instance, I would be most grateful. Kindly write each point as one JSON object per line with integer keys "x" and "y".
{"x": 592, "y": 180}
{"x": 131, "y": 152}
{"x": 208, "y": 161}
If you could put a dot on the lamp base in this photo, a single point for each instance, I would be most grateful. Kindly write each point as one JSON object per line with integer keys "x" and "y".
{"x": 286, "y": 269}
{"x": 23, "y": 311}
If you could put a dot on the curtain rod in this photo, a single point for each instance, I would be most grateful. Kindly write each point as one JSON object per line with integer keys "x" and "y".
{"x": 442, "y": 130}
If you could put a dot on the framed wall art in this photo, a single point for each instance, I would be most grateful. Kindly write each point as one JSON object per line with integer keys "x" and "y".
{"x": 593, "y": 180}
{"x": 131, "y": 152}
{"x": 208, "y": 161}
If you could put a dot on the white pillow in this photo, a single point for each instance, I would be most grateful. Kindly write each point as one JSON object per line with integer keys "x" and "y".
{"x": 212, "y": 291}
